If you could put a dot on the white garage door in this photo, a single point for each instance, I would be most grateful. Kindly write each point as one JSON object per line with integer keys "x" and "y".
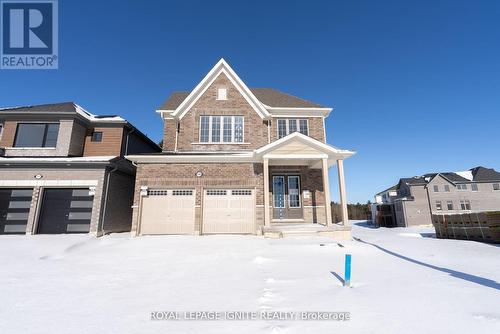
{"x": 228, "y": 211}
{"x": 168, "y": 212}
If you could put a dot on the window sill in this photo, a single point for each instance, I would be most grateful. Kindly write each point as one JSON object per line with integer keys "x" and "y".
{"x": 200, "y": 143}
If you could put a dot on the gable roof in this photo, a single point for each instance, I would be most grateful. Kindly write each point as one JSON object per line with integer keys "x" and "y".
{"x": 477, "y": 174}
{"x": 220, "y": 68}
{"x": 394, "y": 187}
{"x": 268, "y": 96}
{"x": 485, "y": 174}
{"x": 316, "y": 149}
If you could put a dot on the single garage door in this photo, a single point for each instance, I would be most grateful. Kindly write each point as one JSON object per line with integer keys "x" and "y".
{"x": 228, "y": 211}
{"x": 65, "y": 211}
{"x": 14, "y": 210}
{"x": 168, "y": 211}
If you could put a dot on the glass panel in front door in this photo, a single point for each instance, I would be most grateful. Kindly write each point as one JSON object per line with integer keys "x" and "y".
{"x": 279, "y": 194}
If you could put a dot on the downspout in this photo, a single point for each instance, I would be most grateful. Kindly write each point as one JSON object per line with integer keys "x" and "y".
{"x": 177, "y": 125}
{"x": 269, "y": 131}
{"x": 429, "y": 201}
{"x": 101, "y": 227}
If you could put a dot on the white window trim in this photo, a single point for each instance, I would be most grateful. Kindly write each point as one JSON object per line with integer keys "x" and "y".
{"x": 225, "y": 94}
{"x": 287, "y": 131}
{"x": 1, "y": 129}
{"x": 284, "y": 191}
{"x": 493, "y": 186}
{"x": 221, "y": 130}
{"x": 299, "y": 192}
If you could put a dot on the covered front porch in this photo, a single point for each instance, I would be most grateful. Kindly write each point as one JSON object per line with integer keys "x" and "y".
{"x": 297, "y": 187}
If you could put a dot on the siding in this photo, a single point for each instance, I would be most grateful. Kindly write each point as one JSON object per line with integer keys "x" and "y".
{"x": 111, "y": 144}
{"x": 485, "y": 199}
{"x": 62, "y": 148}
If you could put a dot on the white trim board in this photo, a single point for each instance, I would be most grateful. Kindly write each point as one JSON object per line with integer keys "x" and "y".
{"x": 222, "y": 67}
{"x": 48, "y": 183}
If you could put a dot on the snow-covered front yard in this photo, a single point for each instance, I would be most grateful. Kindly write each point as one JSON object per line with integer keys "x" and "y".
{"x": 404, "y": 281}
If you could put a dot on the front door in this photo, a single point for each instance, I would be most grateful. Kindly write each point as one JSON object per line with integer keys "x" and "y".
{"x": 286, "y": 197}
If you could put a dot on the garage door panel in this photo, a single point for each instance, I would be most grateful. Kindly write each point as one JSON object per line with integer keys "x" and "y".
{"x": 65, "y": 210}
{"x": 15, "y": 205}
{"x": 170, "y": 212}
{"x": 228, "y": 211}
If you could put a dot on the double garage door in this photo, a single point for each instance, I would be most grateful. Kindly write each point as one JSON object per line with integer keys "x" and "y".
{"x": 172, "y": 211}
{"x": 61, "y": 211}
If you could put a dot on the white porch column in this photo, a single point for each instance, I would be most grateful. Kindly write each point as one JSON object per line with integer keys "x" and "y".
{"x": 326, "y": 189}
{"x": 343, "y": 197}
{"x": 267, "y": 216}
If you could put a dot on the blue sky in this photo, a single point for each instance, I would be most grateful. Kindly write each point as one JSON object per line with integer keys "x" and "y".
{"x": 415, "y": 85}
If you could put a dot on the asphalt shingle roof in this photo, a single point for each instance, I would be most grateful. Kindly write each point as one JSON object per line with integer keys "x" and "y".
{"x": 268, "y": 96}
{"x": 52, "y": 107}
{"x": 485, "y": 174}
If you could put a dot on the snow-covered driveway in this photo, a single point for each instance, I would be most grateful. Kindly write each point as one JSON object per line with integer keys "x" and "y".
{"x": 403, "y": 282}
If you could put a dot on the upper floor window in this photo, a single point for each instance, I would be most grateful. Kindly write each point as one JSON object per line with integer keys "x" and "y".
{"x": 96, "y": 136}
{"x": 221, "y": 94}
{"x": 1, "y": 129}
{"x": 461, "y": 186}
{"x": 473, "y": 187}
{"x": 449, "y": 205}
{"x": 465, "y": 205}
{"x": 439, "y": 206}
{"x": 287, "y": 126}
{"x": 436, "y": 189}
{"x": 221, "y": 129}
{"x": 496, "y": 186}
{"x": 36, "y": 135}
{"x": 447, "y": 188}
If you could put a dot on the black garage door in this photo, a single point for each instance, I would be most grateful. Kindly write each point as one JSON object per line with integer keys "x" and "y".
{"x": 65, "y": 211}
{"x": 14, "y": 210}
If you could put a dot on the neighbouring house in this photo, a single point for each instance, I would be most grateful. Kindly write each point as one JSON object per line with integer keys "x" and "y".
{"x": 382, "y": 210}
{"x": 418, "y": 198}
{"x": 62, "y": 170}
{"x": 237, "y": 160}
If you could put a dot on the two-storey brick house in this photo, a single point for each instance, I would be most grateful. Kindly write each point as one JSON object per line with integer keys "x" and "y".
{"x": 62, "y": 170}
{"x": 236, "y": 160}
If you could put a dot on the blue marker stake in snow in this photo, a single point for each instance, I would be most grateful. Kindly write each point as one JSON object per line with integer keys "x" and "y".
{"x": 347, "y": 270}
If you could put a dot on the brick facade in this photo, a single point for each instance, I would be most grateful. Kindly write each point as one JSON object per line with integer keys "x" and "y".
{"x": 256, "y": 132}
{"x": 255, "y": 129}
{"x": 228, "y": 175}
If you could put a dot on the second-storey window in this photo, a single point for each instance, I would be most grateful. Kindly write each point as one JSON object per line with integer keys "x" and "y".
{"x": 36, "y": 135}
{"x": 221, "y": 129}
{"x": 290, "y": 125}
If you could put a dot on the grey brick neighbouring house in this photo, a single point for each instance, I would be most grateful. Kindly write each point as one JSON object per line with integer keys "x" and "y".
{"x": 413, "y": 200}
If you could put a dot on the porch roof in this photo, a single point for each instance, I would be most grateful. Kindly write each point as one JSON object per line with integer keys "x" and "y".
{"x": 297, "y": 147}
